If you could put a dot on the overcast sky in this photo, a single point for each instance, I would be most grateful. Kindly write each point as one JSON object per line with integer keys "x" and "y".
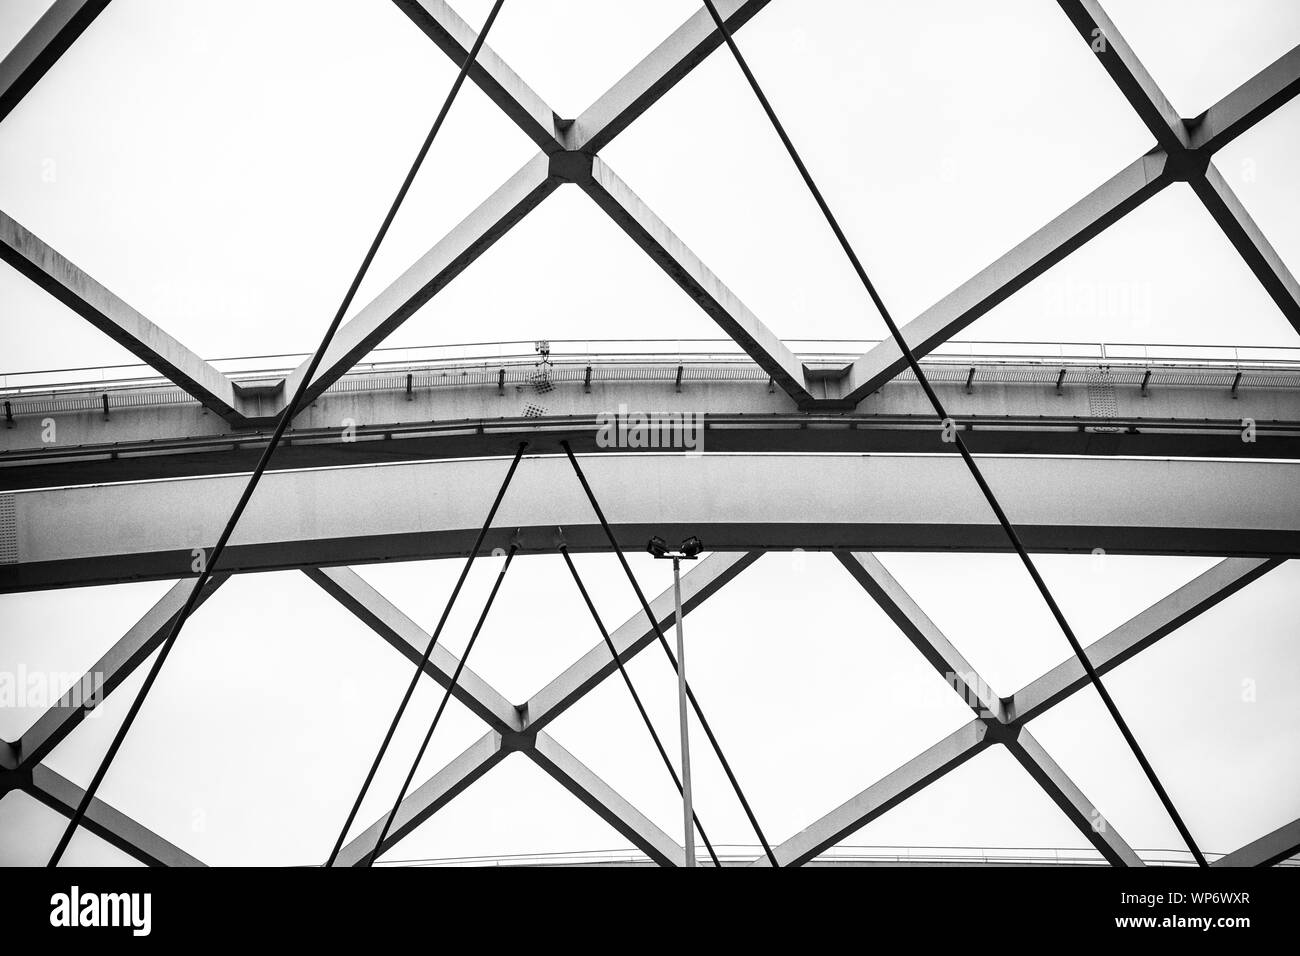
{"x": 222, "y": 166}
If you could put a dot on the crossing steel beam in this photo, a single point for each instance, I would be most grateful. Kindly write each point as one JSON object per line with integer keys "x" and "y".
{"x": 475, "y": 234}
{"x": 117, "y": 664}
{"x": 703, "y": 580}
{"x": 385, "y": 619}
{"x": 111, "y": 825}
{"x": 42, "y": 46}
{"x": 454, "y": 37}
{"x": 1157, "y": 621}
{"x": 978, "y": 695}
{"x": 1182, "y": 154}
{"x": 1271, "y": 848}
{"x": 35, "y": 259}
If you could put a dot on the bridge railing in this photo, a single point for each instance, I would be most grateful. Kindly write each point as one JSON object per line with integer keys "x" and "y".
{"x": 688, "y": 351}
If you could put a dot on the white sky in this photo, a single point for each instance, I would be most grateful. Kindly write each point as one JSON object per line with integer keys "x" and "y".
{"x": 222, "y": 166}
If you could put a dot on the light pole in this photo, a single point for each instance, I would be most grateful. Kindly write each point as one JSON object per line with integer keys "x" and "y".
{"x": 690, "y": 550}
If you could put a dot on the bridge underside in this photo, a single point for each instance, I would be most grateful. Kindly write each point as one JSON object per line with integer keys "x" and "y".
{"x": 798, "y": 453}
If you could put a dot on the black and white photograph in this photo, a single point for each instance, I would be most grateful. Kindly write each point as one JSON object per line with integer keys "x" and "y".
{"x": 519, "y": 439}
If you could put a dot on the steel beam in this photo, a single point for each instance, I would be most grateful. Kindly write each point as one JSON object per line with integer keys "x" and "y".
{"x": 1269, "y": 849}
{"x": 661, "y": 70}
{"x": 1138, "y": 633}
{"x": 917, "y": 627}
{"x": 1265, "y": 92}
{"x": 700, "y": 583}
{"x": 61, "y": 794}
{"x": 117, "y": 664}
{"x": 888, "y": 792}
{"x": 1162, "y": 618}
{"x": 1247, "y": 238}
{"x": 1080, "y": 811}
{"x": 682, "y": 266}
{"x": 518, "y": 196}
{"x": 1087, "y": 218}
{"x": 604, "y": 801}
{"x": 42, "y": 46}
{"x": 385, "y": 619}
{"x": 977, "y": 694}
{"x": 422, "y": 803}
{"x": 502, "y": 85}
{"x": 35, "y": 259}
{"x": 1127, "y": 71}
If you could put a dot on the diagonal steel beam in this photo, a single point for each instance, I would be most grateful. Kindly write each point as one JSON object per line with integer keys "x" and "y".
{"x": 111, "y": 825}
{"x": 704, "y": 580}
{"x": 1132, "y": 78}
{"x": 976, "y": 693}
{"x": 685, "y": 268}
{"x": 36, "y": 260}
{"x": 1271, "y": 848}
{"x": 1268, "y": 90}
{"x": 888, "y": 792}
{"x": 422, "y": 803}
{"x": 502, "y": 85}
{"x": 42, "y": 46}
{"x": 117, "y": 664}
{"x": 385, "y": 619}
{"x": 1080, "y": 811}
{"x": 1249, "y": 241}
{"x": 917, "y": 627}
{"x": 518, "y": 196}
{"x": 661, "y": 70}
{"x": 1139, "y": 632}
{"x": 605, "y": 802}
{"x": 1071, "y": 230}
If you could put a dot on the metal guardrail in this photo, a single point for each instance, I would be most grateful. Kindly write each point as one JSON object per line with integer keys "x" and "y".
{"x": 691, "y": 351}
{"x": 744, "y": 853}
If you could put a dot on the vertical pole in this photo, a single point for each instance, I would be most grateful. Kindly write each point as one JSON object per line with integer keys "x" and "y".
{"x": 687, "y": 811}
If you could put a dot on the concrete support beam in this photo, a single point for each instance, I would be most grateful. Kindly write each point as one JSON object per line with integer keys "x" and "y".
{"x": 385, "y": 619}
{"x": 512, "y": 95}
{"x": 656, "y": 74}
{"x": 701, "y": 582}
{"x": 117, "y": 664}
{"x": 1249, "y": 103}
{"x": 1132, "y": 78}
{"x": 1139, "y": 632}
{"x": 892, "y": 789}
{"x": 61, "y": 794}
{"x": 1247, "y": 238}
{"x": 721, "y": 304}
{"x": 518, "y": 196}
{"x": 1271, "y": 848}
{"x": 426, "y": 800}
{"x": 100, "y": 535}
{"x": 42, "y": 46}
{"x": 1054, "y": 781}
{"x": 605, "y": 802}
{"x": 35, "y": 259}
{"x": 1101, "y": 208}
